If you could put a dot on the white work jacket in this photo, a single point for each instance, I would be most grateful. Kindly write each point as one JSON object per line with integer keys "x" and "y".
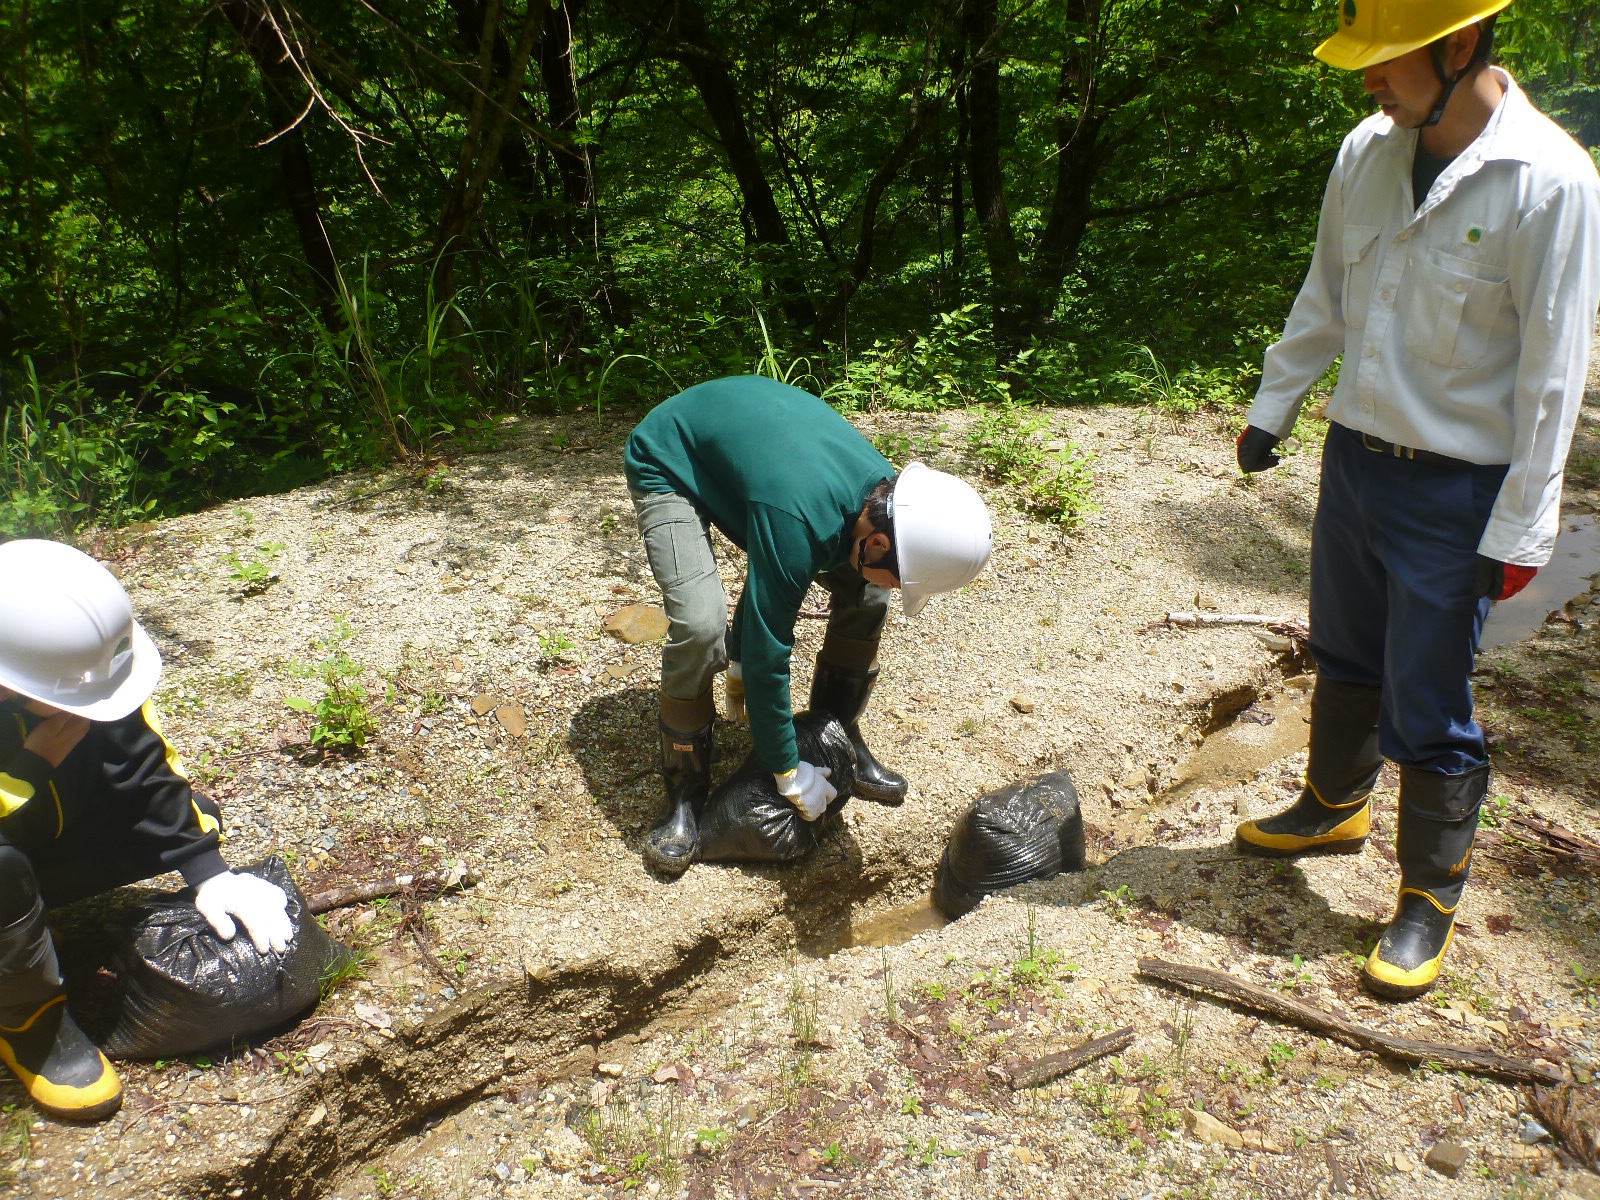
{"x": 1465, "y": 324}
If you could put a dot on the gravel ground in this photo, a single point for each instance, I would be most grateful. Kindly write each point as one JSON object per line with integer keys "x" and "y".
{"x": 514, "y": 734}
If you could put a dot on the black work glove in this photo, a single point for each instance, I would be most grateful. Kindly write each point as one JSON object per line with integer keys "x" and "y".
{"x": 1256, "y": 448}
{"x": 1501, "y": 581}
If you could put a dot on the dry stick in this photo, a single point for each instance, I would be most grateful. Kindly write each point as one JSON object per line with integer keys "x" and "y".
{"x": 360, "y": 893}
{"x": 1043, "y": 1070}
{"x": 1200, "y": 620}
{"x": 1309, "y": 1016}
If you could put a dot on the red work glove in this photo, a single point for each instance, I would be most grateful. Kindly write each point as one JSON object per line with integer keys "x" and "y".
{"x": 1513, "y": 579}
{"x": 1501, "y": 581}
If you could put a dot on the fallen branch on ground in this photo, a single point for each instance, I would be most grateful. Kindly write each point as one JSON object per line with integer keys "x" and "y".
{"x": 1317, "y": 1020}
{"x": 1569, "y": 1113}
{"x": 1556, "y": 840}
{"x": 1043, "y": 1070}
{"x": 1290, "y": 628}
{"x": 424, "y": 883}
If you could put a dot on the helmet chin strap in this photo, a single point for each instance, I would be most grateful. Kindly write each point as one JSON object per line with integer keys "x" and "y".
{"x": 1446, "y": 83}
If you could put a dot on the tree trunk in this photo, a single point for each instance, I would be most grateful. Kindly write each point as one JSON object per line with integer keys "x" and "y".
{"x": 988, "y": 181}
{"x": 266, "y": 48}
{"x": 714, "y": 81}
{"x": 480, "y": 147}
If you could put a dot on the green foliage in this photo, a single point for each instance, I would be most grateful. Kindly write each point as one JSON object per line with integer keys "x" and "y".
{"x": 227, "y": 272}
{"x": 1193, "y": 389}
{"x": 62, "y": 460}
{"x": 1052, "y": 481}
{"x": 644, "y": 1140}
{"x": 342, "y": 718}
{"x": 16, "y": 1139}
{"x": 927, "y": 1151}
{"x": 252, "y": 570}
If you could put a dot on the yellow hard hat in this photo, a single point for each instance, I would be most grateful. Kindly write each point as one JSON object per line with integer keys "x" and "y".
{"x": 1374, "y": 31}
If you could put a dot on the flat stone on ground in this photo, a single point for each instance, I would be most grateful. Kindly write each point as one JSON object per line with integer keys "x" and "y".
{"x": 637, "y": 623}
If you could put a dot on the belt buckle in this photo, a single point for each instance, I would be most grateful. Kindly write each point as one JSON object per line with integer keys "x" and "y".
{"x": 1378, "y": 446}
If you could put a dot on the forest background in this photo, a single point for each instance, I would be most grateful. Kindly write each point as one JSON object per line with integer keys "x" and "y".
{"x": 248, "y": 243}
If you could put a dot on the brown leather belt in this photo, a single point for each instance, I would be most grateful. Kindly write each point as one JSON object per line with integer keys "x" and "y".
{"x": 1378, "y": 446}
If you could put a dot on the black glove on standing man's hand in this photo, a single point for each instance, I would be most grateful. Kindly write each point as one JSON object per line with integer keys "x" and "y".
{"x": 1256, "y": 448}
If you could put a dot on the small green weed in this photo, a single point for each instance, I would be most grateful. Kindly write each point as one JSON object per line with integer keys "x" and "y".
{"x": 901, "y": 448}
{"x": 1586, "y": 984}
{"x": 1297, "y": 978}
{"x": 711, "y": 1141}
{"x": 554, "y": 647}
{"x": 344, "y": 970}
{"x": 644, "y": 1140}
{"x": 1037, "y": 965}
{"x": 252, "y": 571}
{"x": 1493, "y": 812}
{"x": 16, "y": 1140}
{"x": 1118, "y": 901}
{"x": 343, "y": 717}
{"x": 926, "y": 1153}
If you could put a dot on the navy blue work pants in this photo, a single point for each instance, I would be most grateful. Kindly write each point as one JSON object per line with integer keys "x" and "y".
{"x": 1394, "y": 603}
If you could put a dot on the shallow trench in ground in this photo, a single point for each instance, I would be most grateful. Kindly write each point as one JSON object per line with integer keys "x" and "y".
{"x": 556, "y": 1019}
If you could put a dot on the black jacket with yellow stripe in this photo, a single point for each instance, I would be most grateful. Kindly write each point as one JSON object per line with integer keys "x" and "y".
{"x": 122, "y": 788}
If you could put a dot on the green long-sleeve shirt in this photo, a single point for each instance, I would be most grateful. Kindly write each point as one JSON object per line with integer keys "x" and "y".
{"x": 784, "y": 477}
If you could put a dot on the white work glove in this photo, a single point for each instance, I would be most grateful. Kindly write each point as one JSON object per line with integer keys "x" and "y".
{"x": 261, "y": 907}
{"x": 733, "y": 694}
{"x": 807, "y": 788}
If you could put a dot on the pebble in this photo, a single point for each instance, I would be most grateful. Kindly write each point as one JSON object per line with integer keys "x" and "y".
{"x": 1447, "y": 1158}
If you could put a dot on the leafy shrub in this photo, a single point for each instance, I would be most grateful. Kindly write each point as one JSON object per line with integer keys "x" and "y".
{"x": 1052, "y": 483}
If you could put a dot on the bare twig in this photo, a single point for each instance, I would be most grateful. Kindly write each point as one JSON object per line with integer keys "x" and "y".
{"x": 431, "y": 883}
{"x": 1200, "y": 620}
{"x": 1043, "y": 1070}
{"x": 1308, "y": 1016}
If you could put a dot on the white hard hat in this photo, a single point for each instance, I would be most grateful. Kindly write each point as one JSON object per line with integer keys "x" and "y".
{"x": 942, "y": 534}
{"x": 67, "y": 633}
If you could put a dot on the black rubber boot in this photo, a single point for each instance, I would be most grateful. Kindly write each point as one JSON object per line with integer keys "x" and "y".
{"x": 62, "y": 1071}
{"x": 1438, "y": 825}
{"x": 844, "y": 694}
{"x": 1332, "y": 815}
{"x": 670, "y": 845}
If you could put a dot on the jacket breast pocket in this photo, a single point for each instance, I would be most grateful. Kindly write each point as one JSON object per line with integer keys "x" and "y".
{"x": 1454, "y": 309}
{"x": 1360, "y": 271}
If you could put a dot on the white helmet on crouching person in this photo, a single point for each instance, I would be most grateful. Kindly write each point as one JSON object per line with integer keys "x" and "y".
{"x": 942, "y": 534}
{"x": 67, "y": 633}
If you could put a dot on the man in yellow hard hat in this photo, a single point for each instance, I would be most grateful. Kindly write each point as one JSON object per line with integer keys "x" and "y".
{"x": 1457, "y": 268}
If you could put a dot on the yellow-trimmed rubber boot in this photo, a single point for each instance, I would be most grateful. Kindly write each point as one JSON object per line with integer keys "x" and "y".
{"x": 1308, "y": 826}
{"x": 1332, "y": 814}
{"x": 1438, "y": 825}
{"x": 63, "y": 1072}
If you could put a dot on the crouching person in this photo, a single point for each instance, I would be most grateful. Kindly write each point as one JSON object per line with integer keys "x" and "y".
{"x": 92, "y": 797}
{"x": 807, "y": 497}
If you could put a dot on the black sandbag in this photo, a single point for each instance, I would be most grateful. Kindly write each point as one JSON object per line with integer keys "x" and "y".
{"x": 748, "y": 820}
{"x": 186, "y": 990}
{"x": 1030, "y": 830}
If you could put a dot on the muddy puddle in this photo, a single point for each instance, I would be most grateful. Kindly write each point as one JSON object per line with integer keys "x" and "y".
{"x": 897, "y": 926}
{"x": 1565, "y": 577}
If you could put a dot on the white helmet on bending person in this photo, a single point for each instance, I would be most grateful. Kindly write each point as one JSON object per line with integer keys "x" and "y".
{"x": 942, "y": 534}
{"x": 67, "y": 633}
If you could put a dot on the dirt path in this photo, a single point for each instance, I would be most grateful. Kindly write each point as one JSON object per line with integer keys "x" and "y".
{"x": 548, "y": 1000}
